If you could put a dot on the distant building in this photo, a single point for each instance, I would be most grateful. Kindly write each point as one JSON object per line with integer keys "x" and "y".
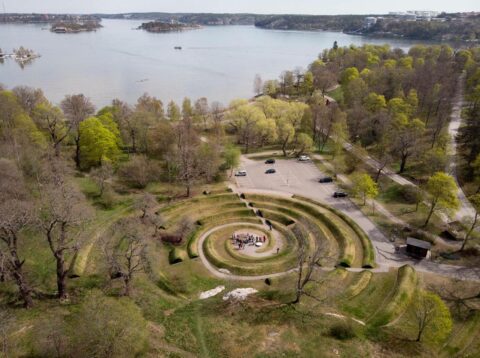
{"x": 369, "y": 22}
{"x": 60, "y": 30}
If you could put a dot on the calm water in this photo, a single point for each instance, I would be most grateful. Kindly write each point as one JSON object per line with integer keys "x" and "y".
{"x": 118, "y": 62}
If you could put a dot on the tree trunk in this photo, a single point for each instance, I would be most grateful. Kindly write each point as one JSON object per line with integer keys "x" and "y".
{"x": 403, "y": 164}
{"x": 377, "y": 177}
{"x": 61, "y": 276}
{"x": 77, "y": 151}
{"x": 432, "y": 208}
{"x": 467, "y": 236}
{"x": 126, "y": 281}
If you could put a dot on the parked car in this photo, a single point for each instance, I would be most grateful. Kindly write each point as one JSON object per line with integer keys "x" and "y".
{"x": 270, "y": 161}
{"x": 326, "y": 180}
{"x": 304, "y": 158}
{"x": 241, "y": 173}
{"x": 340, "y": 194}
{"x": 270, "y": 171}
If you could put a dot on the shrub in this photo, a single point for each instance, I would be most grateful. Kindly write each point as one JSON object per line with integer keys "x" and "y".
{"x": 410, "y": 194}
{"x": 139, "y": 172}
{"x": 342, "y": 331}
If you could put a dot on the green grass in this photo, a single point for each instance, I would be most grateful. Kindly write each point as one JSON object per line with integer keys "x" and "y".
{"x": 405, "y": 289}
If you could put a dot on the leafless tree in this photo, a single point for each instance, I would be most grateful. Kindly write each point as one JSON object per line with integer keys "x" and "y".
{"x": 201, "y": 110}
{"x": 307, "y": 262}
{"x": 257, "y": 84}
{"x": 186, "y": 154}
{"x": 150, "y": 105}
{"x": 383, "y": 162}
{"x": 145, "y": 203}
{"x": 217, "y": 111}
{"x": 184, "y": 226}
{"x": 60, "y": 209}
{"x": 15, "y": 215}
{"x": 29, "y": 97}
{"x": 158, "y": 222}
{"x": 77, "y": 108}
{"x": 102, "y": 175}
{"x": 126, "y": 257}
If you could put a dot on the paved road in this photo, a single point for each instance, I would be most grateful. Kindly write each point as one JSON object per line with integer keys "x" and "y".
{"x": 301, "y": 178}
{"x": 466, "y": 208}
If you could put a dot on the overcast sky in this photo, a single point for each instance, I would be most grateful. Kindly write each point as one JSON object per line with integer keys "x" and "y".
{"x": 255, "y": 6}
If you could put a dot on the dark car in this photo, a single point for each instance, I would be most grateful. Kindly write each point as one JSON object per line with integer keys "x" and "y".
{"x": 270, "y": 171}
{"x": 270, "y": 161}
{"x": 340, "y": 194}
{"x": 326, "y": 180}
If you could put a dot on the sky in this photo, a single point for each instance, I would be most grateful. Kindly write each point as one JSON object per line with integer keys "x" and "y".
{"x": 235, "y": 6}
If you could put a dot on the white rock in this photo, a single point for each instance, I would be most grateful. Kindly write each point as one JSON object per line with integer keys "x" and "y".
{"x": 210, "y": 293}
{"x": 222, "y": 270}
{"x": 239, "y": 294}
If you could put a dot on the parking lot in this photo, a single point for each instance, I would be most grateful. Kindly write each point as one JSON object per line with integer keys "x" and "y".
{"x": 292, "y": 176}
{"x": 301, "y": 178}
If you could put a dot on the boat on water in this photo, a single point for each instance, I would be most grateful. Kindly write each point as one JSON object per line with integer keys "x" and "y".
{"x": 178, "y": 47}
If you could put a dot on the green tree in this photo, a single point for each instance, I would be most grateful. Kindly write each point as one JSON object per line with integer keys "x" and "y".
{"x": 173, "y": 111}
{"x": 431, "y": 318}
{"x": 475, "y": 201}
{"x": 364, "y": 186}
{"x": 232, "y": 157}
{"x": 348, "y": 75}
{"x": 405, "y": 135}
{"x": 304, "y": 143}
{"x": 442, "y": 191}
{"x": 98, "y": 141}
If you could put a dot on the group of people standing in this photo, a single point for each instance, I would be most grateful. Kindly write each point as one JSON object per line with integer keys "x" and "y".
{"x": 242, "y": 240}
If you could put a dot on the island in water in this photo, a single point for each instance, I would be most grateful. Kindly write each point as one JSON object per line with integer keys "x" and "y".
{"x": 22, "y": 56}
{"x": 75, "y": 27}
{"x": 160, "y": 26}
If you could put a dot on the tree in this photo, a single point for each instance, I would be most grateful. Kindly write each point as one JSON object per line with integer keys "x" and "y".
{"x": 145, "y": 203}
{"x": 138, "y": 171}
{"x": 102, "y": 175}
{"x": 99, "y": 140}
{"x": 77, "y": 108}
{"x": 364, "y": 186}
{"x": 50, "y": 119}
{"x": 16, "y": 213}
{"x": 406, "y": 138}
{"x": 442, "y": 190}
{"x": 126, "y": 256}
{"x": 307, "y": 262}
{"x": 257, "y": 85}
{"x": 201, "y": 111}
{"x": 304, "y": 143}
{"x": 29, "y": 98}
{"x": 187, "y": 109}
{"x": 384, "y": 160}
{"x": 60, "y": 210}
{"x": 475, "y": 201}
{"x": 432, "y": 317}
{"x": 187, "y": 154}
{"x": 150, "y": 105}
{"x": 243, "y": 119}
{"x": 173, "y": 111}
{"x": 231, "y": 156}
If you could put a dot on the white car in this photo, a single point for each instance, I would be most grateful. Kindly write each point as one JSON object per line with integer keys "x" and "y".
{"x": 241, "y": 173}
{"x": 304, "y": 158}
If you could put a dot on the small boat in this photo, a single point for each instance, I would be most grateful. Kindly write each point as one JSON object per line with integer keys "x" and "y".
{"x": 178, "y": 47}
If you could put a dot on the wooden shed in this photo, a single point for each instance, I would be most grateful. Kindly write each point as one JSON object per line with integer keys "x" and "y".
{"x": 418, "y": 248}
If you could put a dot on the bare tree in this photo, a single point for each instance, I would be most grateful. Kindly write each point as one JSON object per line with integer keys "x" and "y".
{"x": 307, "y": 262}
{"x": 29, "y": 97}
{"x": 126, "y": 256}
{"x": 145, "y": 203}
{"x": 201, "y": 110}
{"x": 257, "y": 84}
{"x": 187, "y": 150}
{"x": 158, "y": 222}
{"x": 61, "y": 208}
{"x": 15, "y": 215}
{"x": 102, "y": 175}
{"x": 185, "y": 226}
{"x": 77, "y": 108}
{"x": 217, "y": 111}
{"x": 383, "y": 162}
